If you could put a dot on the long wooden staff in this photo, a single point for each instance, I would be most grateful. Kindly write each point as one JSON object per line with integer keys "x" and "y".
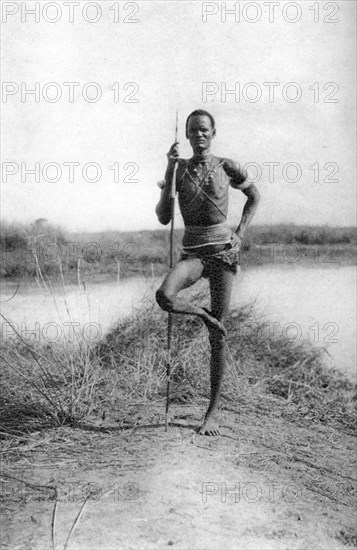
{"x": 169, "y": 321}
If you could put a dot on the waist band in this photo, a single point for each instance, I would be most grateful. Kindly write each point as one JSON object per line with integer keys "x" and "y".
{"x": 196, "y": 236}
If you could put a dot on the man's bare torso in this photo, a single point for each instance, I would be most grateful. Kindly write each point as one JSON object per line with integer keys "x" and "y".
{"x": 202, "y": 187}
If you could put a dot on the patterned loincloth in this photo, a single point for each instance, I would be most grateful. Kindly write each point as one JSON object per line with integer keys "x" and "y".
{"x": 215, "y": 257}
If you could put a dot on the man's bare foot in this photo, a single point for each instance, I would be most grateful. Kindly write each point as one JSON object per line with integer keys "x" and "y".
{"x": 212, "y": 322}
{"x": 210, "y": 426}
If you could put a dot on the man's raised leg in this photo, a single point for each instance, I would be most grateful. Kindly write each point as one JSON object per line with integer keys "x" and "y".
{"x": 221, "y": 287}
{"x": 183, "y": 275}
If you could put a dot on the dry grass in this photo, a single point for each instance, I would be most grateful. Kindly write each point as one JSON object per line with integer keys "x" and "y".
{"x": 263, "y": 373}
{"x": 66, "y": 383}
{"x": 46, "y": 385}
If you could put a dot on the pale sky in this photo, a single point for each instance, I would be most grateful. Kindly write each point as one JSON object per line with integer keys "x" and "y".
{"x": 169, "y": 53}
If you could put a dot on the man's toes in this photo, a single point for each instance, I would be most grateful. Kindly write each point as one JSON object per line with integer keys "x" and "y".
{"x": 220, "y": 326}
{"x": 224, "y": 330}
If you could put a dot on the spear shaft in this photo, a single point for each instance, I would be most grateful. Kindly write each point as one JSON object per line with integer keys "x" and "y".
{"x": 169, "y": 321}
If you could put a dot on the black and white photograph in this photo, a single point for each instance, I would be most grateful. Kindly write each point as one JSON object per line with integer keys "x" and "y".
{"x": 178, "y": 275}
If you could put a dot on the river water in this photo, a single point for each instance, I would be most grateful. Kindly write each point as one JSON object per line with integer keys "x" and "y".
{"x": 297, "y": 302}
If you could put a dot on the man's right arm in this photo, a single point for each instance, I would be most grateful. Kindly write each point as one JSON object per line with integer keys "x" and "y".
{"x": 163, "y": 208}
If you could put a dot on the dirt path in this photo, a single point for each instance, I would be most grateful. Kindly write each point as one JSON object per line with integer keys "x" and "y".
{"x": 294, "y": 487}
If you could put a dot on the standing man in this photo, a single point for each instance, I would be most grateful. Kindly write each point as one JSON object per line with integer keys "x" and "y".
{"x": 210, "y": 249}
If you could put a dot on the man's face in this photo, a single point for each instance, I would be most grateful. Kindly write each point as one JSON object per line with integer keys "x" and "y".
{"x": 200, "y": 133}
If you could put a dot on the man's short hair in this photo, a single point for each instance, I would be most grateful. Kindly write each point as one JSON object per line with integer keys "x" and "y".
{"x": 200, "y": 112}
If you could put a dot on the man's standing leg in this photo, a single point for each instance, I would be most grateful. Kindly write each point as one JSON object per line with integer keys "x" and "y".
{"x": 221, "y": 287}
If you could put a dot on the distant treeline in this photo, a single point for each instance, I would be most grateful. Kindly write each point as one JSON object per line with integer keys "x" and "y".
{"x": 41, "y": 249}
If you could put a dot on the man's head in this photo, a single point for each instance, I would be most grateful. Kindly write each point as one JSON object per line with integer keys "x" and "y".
{"x": 200, "y": 129}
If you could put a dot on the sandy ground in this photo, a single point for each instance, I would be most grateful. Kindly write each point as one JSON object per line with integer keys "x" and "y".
{"x": 263, "y": 484}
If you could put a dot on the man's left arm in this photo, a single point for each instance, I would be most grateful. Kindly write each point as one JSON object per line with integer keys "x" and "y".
{"x": 249, "y": 210}
{"x": 239, "y": 179}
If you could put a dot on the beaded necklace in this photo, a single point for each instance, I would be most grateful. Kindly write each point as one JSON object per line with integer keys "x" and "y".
{"x": 202, "y": 182}
{"x": 198, "y": 174}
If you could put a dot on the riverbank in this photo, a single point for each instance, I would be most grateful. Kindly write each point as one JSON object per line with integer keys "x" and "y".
{"x": 83, "y": 428}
